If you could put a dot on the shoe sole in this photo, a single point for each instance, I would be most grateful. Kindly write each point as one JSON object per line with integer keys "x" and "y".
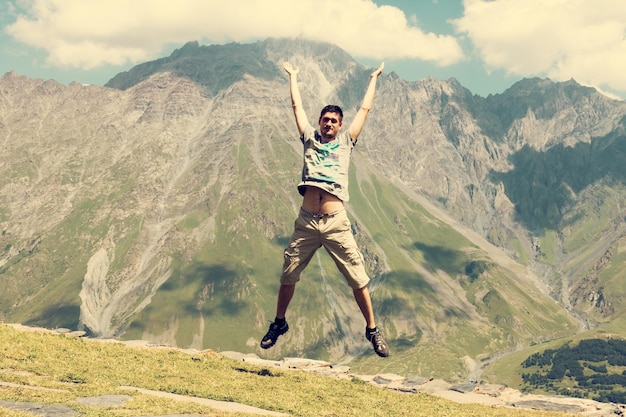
{"x": 273, "y": 342}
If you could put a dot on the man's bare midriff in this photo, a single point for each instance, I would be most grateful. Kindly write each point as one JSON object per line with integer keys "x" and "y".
{"x": 319, "y": 201}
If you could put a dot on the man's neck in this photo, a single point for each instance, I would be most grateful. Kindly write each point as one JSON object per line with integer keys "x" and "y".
{"x": 326, "y": 139}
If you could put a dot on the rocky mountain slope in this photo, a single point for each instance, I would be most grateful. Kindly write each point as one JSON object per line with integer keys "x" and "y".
{"x": 157, "y": 208}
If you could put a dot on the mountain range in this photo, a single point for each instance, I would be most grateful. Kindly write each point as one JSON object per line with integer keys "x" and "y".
{"x": 157, "y": 207}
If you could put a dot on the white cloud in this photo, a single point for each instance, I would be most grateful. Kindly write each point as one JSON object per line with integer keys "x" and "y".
{"x": 90, "y": 33}
{"x": 560, "y": 39}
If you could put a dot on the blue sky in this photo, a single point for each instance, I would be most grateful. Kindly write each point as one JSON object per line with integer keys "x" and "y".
{"x": 487, "y": 45}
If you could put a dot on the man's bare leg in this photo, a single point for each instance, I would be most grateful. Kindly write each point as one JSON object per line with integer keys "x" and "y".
{"x": 362, "y": 297}
{"x": 285, "y": 294}
{"x": 279, "y": 326}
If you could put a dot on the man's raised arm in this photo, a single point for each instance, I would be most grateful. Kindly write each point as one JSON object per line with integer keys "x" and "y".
{"x": 296, "y": 100}
{"x": 359, "y": 120}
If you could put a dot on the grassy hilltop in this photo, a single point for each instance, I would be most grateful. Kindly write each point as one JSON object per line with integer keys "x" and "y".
{"x": 48, "y": 368}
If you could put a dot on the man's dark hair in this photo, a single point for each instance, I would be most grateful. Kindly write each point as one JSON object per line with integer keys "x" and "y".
{"x": 332, "y": 108}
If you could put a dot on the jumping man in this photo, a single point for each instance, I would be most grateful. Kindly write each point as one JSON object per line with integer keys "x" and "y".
{"x": 323, "y": 220}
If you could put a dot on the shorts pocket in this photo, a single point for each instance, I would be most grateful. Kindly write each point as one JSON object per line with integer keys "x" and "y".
{"x": 353, "y": 256}
{"x": 291, "y": 260}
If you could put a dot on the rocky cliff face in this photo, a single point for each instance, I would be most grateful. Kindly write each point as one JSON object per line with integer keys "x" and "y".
{"x": 158, "y": 206}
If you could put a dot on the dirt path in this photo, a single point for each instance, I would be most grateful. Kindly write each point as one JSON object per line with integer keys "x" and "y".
{"x": 227, "y": 406}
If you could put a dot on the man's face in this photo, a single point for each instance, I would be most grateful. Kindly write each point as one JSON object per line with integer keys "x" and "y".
{"x": 330, "y": 123}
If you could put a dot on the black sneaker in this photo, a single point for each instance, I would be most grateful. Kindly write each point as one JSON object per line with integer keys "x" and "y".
{"x": 272, "y": 334}
{"x": 380, "y": 346}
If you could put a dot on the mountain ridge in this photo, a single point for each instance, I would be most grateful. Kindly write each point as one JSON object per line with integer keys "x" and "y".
{"x": 119, "y": 200}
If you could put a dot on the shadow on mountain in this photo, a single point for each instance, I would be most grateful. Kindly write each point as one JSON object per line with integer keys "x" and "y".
{"x": 282, "y": 241}
{"x": 403, "y": 289}
{"x": 398, "y": 304}
{"x": 543, "y": 186}
{"x": 56, "y": 316}
{"x": 212, "y": 289}
{"x": 403, "y": 282}
{"x": 440, "y": 257}
{"x": 404, "y": 342}
{"x": 456, "y": 313}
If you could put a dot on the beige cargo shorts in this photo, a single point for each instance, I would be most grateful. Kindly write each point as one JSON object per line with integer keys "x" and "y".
{"x": 333, "y": 232}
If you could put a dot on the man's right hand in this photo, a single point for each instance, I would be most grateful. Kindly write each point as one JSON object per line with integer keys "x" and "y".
{"x": 296, "y": 100}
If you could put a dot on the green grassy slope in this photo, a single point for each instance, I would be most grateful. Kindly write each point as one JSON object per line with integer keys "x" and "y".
{"x": 53, "y": 369}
